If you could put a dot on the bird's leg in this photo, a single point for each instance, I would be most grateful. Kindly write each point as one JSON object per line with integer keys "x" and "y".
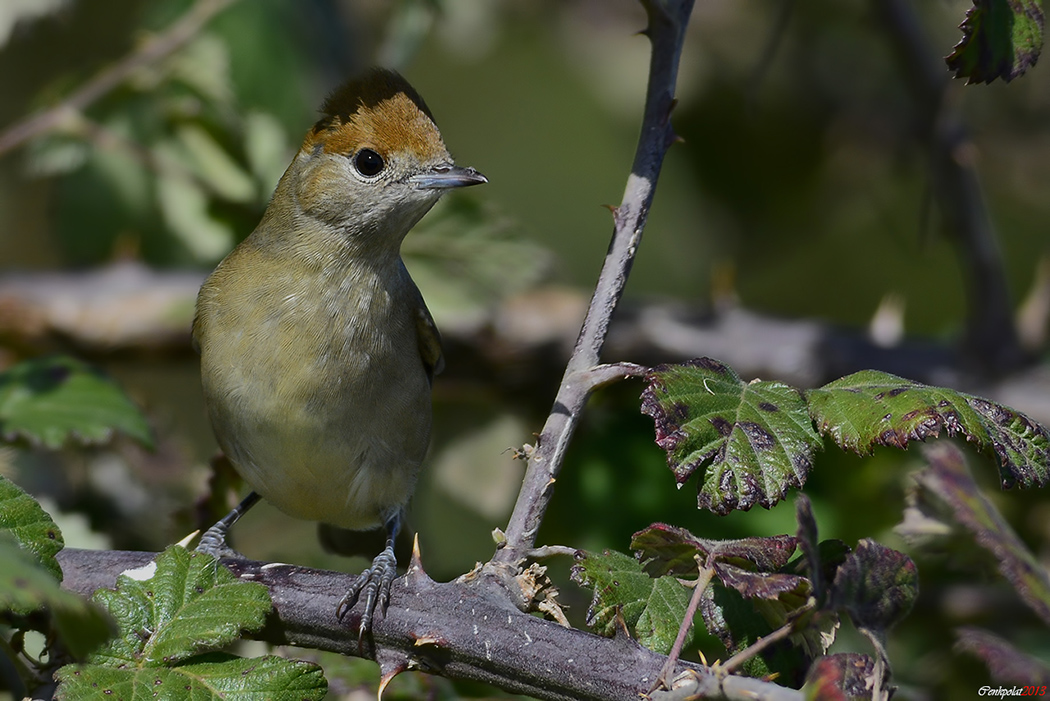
{"x": 213, "y": 541}
{"x": 374, "y": 582}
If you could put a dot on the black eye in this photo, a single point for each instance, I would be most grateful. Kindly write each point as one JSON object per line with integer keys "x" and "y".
{"x": 368, "y": 162}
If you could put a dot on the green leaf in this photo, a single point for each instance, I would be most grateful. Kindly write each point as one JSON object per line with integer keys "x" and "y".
{"x": 208, "y": 678}
{"x": 948, "y": 478}
{"x": 22, "y": 519}
{"x": 661, "y": 618}
{"x": 179, "y": 606}
{"x": 870, "y": 408}
{"x": 49, "y": 401}
{"x": 757, "y": 438}
{"x": 1001, "y": 39}
{"x": 652, "y": 608}
{"x": 877, "y": 586}
{"x": 26, "y": 587}
{"x": 620, "y": 585}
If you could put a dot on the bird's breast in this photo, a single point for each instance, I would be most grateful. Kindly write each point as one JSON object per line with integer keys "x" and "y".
{"x": 318, "y": 394}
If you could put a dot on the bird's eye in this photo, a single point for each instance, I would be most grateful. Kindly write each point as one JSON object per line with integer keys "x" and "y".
{"x": 368, "y": 162}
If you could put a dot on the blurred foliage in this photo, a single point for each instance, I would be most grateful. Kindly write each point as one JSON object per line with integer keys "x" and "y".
{"x": 804, "y": 176}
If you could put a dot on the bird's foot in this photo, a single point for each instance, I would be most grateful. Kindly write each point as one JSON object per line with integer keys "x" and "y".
{"x": 213, "y": 542}
{"x": 373, "y": 586}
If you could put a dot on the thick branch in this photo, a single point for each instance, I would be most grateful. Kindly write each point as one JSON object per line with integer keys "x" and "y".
{"x": 667, "y": 23}
{"x": 157, "y": 48}
{"x": 460, "y": 630}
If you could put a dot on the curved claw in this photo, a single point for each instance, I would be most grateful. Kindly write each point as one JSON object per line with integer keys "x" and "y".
{"x": 374, "y": 583}
{"x": 373, "y": 586}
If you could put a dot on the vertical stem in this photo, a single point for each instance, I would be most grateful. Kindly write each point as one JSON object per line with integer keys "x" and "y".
{"x": 666, "y": 31}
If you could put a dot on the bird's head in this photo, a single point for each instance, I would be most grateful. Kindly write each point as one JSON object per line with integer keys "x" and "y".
{"x": 375, "y": 163}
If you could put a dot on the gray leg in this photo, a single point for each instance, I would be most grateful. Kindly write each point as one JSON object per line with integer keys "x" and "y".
{"x": 213, "y": 541}
{"x": 374, "y": 582}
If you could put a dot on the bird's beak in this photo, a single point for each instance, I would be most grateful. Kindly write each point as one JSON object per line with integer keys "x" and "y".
{"x": 447, "y": 177}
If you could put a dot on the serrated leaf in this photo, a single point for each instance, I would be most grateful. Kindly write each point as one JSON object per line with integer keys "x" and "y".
{"x": 870, "y": 408}
{"x": 756, "y": 438}
{"x": 949, "y": 479}
{"x": 847, "y": 676}
{"x": 49, "y": 401}
{"x": 1001, "y": 39}
{"x": 23, "y": 520}
{"x": 26, "y": 587}
{"x": 186, "y": 605}
{"x": 619, "y": 584}
{"x": 661, "y": 618}
{"x": 667, "y": 549}
{"x": 1006, "y": 663}
{"x": 652, "y": 609}
{"x": 208, "y": 678}
{"x": 876, "y": 585}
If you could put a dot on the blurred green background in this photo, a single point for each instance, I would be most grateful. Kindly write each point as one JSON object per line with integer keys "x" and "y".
{"x": 801, "y": 187}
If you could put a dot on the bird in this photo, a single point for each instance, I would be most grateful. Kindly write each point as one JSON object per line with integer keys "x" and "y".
{"x": 317, "y": 349}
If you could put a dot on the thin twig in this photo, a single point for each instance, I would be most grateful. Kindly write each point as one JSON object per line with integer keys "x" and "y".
{"x": 756, "y": 647}
{"x": 157, "y": 48}
{"x": 666, "y": 31}
{"x": 707, "y": 571}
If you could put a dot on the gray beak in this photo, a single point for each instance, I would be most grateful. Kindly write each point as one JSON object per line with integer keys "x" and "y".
{"x": 447, "y": 177}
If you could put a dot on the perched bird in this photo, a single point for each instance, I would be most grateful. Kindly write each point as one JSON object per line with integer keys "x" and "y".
{"x": 317, "y": 350}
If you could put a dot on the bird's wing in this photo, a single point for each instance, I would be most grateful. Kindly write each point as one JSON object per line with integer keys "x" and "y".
{"x": 429, "y": 339}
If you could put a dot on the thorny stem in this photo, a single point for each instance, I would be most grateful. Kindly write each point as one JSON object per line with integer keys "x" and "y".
{"x": 666, "y": 31}
{"x": 157, "y": 48}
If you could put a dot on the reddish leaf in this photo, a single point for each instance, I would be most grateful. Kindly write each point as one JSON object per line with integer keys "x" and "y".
{"x": 877, "y": 586}
{"x": 948, "y": 477}
{"x": 1007, "y": 664}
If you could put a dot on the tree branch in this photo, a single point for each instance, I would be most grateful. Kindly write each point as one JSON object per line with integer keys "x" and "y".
{"x": 463, "y": 629}
{"x": 157, "y": 48}
{"x": 666, "y": 31}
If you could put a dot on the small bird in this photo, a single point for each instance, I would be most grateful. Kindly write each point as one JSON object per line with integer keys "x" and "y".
{"x": 317, "y": 349}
